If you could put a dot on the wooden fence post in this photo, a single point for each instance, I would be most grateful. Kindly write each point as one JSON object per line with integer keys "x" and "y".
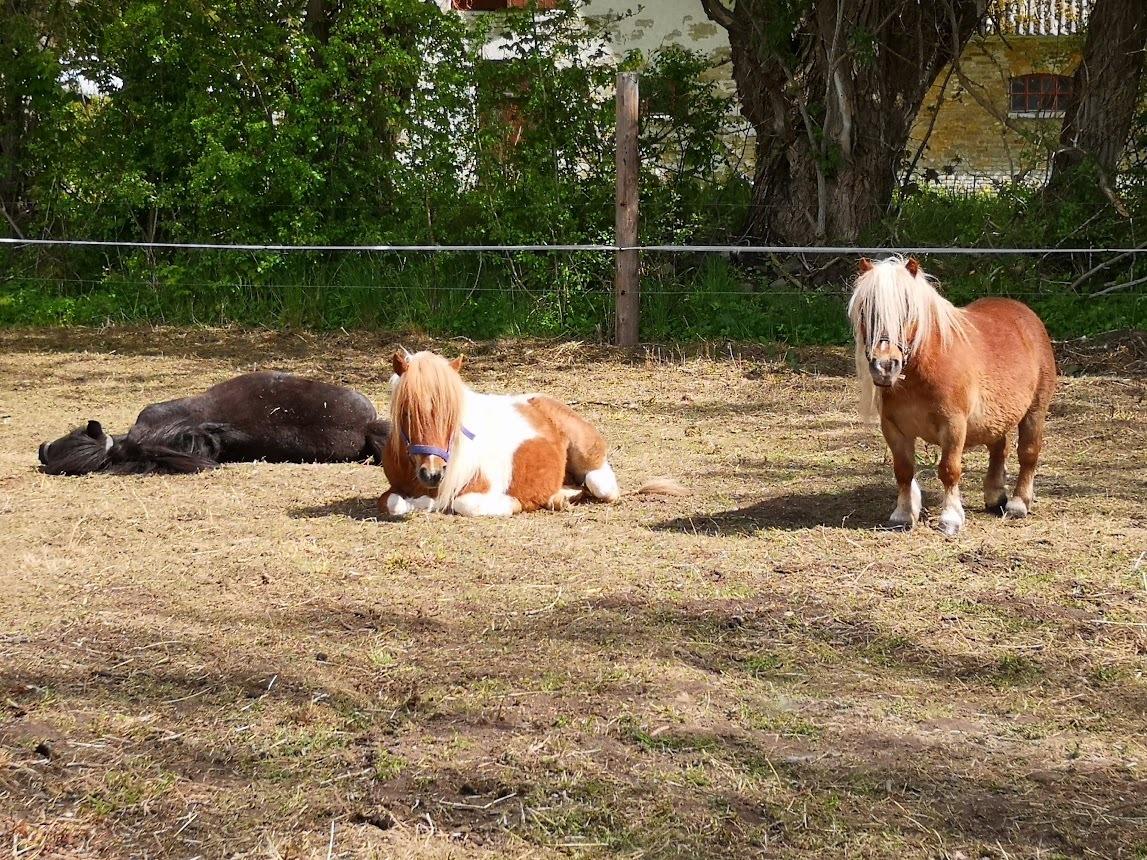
{"x": 627, "y": 280}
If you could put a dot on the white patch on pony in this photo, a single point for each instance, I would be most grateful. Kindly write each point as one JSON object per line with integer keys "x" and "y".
{"x": 1016, "y": 509}
{"x": 397, "y": 506}
{"x": 400, "y": 506}
{"x": 108, "y": 442}
{"x": 907, "y": 507}
{"x": 603, "y": 483}
{"x": 499, "y": 429}
{"x": 486, "y": 505}
{"x": 952, "y": 514}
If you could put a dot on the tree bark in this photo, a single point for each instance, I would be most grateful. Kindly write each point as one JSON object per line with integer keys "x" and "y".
{"x": 832, "y": 88}
{"x": 1105, "y": 88}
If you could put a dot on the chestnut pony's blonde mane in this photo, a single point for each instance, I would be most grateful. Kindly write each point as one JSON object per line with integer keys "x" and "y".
{"x": 889, "y": 302}
{"x": 426, "y": 403}
{"x": 426, "y": 400}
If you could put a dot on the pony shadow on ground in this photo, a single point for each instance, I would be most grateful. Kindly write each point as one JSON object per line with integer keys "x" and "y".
{"x": 862, "y": 507}
{"x": 353, "y": 507}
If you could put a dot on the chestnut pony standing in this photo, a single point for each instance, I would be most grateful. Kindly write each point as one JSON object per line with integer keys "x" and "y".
{"x": 955, "y": 377}
{"x": 453, "y": 449}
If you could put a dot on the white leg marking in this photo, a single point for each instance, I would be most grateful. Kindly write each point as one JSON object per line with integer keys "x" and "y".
{"x": 398, "y": 506}
{"x": 603, "y": 483}
{"x": 952, "y": 515}
{"x": 907, "y": 507}
{"x": 108, "y": 442}
{"x": 485, "y": 505}
{"x": 1016, "y": 508}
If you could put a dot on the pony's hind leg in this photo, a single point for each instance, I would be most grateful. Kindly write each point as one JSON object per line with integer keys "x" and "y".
{"x": 586, "y": 463}
{"x": 1030, "y": 442}
{"x": 995, "y": 491}
{"x": 904, "y": 466}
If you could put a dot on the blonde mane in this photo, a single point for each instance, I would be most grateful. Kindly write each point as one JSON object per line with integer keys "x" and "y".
{"x": 427, "y": 402}
{"x": 889, "y": 302}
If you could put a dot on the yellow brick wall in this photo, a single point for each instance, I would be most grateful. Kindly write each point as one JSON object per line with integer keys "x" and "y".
{"x": 967, "y": 140}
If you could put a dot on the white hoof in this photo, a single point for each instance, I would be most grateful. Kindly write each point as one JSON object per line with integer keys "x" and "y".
{"x": 951, "y": 522}
{"x": 1016, "y": 509}
{"x": 602, "y": 483}
{"x": 907, "y": 509}
{"x": 397, "y": 506}
{"x": 900, "y": 520}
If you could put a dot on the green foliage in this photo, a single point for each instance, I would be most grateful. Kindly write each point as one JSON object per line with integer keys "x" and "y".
{"x": 228, "y": 121}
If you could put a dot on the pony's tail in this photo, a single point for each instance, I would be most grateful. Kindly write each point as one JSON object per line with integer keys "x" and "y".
{"x": 661, "y": 486}
{"x": 129, "y": 457}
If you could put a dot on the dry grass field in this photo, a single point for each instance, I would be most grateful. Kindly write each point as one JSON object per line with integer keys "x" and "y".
{"x": 248, "y": 663}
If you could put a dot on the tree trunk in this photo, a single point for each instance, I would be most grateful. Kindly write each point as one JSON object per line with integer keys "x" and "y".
{"x": 318, "y": 22}
{"x": 1105, "y": 89}
{"x": 832, "y": 94}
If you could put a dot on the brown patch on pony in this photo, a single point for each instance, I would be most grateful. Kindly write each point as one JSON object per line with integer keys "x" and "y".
{"x": 400, "y": 471}
{"x": 399, "y": 362}
{"x": 586, "y": 448}
{"x": 865, "y": 265}
{"x": 911, "y": 265}
{"x": 478, "y": 484}
{"x": 539, "y": 464}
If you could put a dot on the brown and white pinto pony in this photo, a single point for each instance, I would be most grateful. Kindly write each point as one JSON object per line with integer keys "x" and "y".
{"x": 954, "y": 377}
{"x": 454, "y": 449}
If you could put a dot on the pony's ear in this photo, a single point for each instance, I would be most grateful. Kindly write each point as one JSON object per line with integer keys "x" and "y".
{"x": 94, "y": 429}
{"x": 400, "y": 362}
{"x": 457, "y": 364}
{"x": 912, "y": 266}
{"x": 865, "y": 265}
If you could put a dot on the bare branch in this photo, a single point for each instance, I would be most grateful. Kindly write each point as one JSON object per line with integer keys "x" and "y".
{"x": 928, "y": 131}
{"x": 11, "y": 221}
{"x": 1106, "y": 264}
{"x": 1117, "y": 287}
{"x": 718, "y": 12}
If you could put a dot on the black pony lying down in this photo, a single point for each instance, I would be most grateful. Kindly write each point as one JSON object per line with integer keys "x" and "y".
{"x": 257, "y": 416}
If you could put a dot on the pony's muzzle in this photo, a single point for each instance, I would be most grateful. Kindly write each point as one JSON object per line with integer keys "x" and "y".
{"x": 43, "y": 453}
{"x": 430, "y": 476}
{"x": 885, "y": 370}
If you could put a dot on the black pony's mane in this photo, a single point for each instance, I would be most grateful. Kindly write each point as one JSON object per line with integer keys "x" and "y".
{"x": 84, "y": 454}
{"x": 171, "y": 449}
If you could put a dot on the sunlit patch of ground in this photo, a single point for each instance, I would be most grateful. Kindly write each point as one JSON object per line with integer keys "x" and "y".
{"x": 249, "y": 663}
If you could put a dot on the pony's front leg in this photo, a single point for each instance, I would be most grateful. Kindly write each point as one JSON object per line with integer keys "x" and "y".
{"x": 903, "y": 450}
{"x": 397, "y": 505}
{"x": 486, "y": 505}
{"x": 951, "y": 464}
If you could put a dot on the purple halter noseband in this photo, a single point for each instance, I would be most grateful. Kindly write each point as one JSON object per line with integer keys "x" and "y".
{"x": 430, "y": 450}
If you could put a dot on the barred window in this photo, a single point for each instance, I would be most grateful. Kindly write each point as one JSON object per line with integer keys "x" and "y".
{"x": 1040, "y": 93}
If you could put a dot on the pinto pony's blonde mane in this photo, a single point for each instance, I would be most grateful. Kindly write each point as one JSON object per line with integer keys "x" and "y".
{"x": 890, "y": 302}
{"x": 427, "y": 401}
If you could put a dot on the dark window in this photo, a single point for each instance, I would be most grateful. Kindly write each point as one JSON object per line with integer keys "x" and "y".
{"x": 1040, "y": 93}
{"x": 494, "y": 5}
